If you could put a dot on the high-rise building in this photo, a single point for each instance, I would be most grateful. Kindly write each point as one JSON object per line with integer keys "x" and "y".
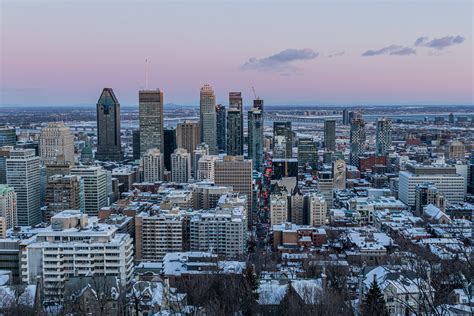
{"x": 200, "y": 151}
{"x": 170, "y": 145}
{"x": 339, "y": 174}
{"x": 330, "y": 135}
{"x": 425, "y": 193}
{"x": 7, "y": 136}
{"x": 451, "y": 118}
{"x": 23, "y": 174}
{"x": 187, "y": 135}
{"x": 95, "y": 187}
{"x": 63, "y": 192}
{"x": 158, "y": 234}
{"x": 87, "y": 248}
{"x": 282, "y": 140}
{"x": 357, "y": 139}
{"x": 383, "y": 136}
{"x": 221, "y": 121}
{"x": 326, "y": 186}
{"x": 317, "y": 209}
{"x": 180, "y": 166}
{"x": 255, "y": 134}
{"x": 447, "y": 181}
{"x": 153, "y": 165}
{"x": 208, "y": 124}
{"x": 457, "y": 150}
{"x": 235, "y": 172}
{"x": 56, "y": 144}
{"x": 206, "y": 167}
{"x": 470, "y": 181}
{"x": 235, "y": 125}
{"x": 297, "y": 206}
{"x": 109, "y": 145}
{"x": 307, "y": 153}
{"x": 150, "y": 103}
{"x": 4, "y": 155}
{"x": 7, "y": 208}
{"x": 278, "y": 208}
{"x": 346, "y": 117}
{"x": 136, "y": 144}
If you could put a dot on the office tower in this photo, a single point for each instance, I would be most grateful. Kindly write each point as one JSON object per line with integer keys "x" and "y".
{"x": 282, "y": 140}
{"x": 4, "y": 155}
{"x": 317, "y": 209}
{"x": 23, "y": 174}
{"x": 326, "y": 186}
{"x": 384, "y": 136}
{"x": 330, "y": 135}
{"x": 222, "y": 231}
{"x": 150, "y": 103}
{"x": 109, "y": 146}
{"x": 136, "y": 143}
{"x": 8, "y": 209}
{"x": 447, "y": 181}
{"x": 95, "y": 187}
{"x": 187, "y": 135}
{"x": 425, "y": 193}
{"x": 63, "y": 192}
{"x": 235, "y": 172}
{"x": 346, "y": 120}
{"x": 451, "y": 118}
{"x": 235, "y": 125}
{"x": 88, "y": 248}
{"x": 221, "y": 126}
{"x": 206, "y": 167}
{"x": 7, "y": 136}
{"x": 208, "y": 124}
{"x": 56, "y": 144}
{"x": 153, "y": 165}
{"x": 339, "y": 174}
{"x": 297, "y": 206}
{"x": 157, "y": 234}
{"x": 357, "y": 140}
{"x": 307, "y": 153}
{"x": 457, "y": 150}
{"x": 255, "y": 134}
{"x": 170, "y": 145}
{"x": 278, "y": 208}
{"x": 180, "y": 166}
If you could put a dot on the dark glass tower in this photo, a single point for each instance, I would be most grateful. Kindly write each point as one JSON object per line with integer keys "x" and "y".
{"x": 255, "y": 134}
{"x": 108, "y": 127}
{"x": 357, "y": 139}
{"x": 330, "y": 135}
{"x": 221, "y": 127}
{"x": 136, "y": 144}
{"x": 235, "y": 125}
{"x": 282, "y": 140}
{"x": 7, "y": 136}
{"x": 170, "y": 145}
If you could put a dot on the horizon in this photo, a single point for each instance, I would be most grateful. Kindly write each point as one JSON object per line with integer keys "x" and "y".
{"x": 326, "y": 53}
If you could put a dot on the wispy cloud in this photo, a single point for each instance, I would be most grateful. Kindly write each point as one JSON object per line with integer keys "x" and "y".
{"x": 282, "y": 61}
{"x": 390, "y": 50}
{"x": 439, "y": 43}
{"x": 337, "y": 54}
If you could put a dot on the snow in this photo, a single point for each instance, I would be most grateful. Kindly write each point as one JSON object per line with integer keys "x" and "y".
{"x": 272, "y": 292}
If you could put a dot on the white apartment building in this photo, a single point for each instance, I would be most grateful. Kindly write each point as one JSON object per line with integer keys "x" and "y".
{"x": 278, "y": 209}
{"x": 75, "y": 245}
{"x": 317, "y": 209}
{"x": 449, "y": 183}
{"x": 95, "y": 187}
{"x": 180, "y": 166}
{"x": 205, "y": 168}
{"x": 221, "y": 231}
{"x": 158, "y": 234}
{"x": 56, "y": 143}
{"x": 153, "y": 166}
{"x": 7, "y": 208}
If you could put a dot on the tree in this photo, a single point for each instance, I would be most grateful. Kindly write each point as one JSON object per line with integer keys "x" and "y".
{"x": 374, "y": 303}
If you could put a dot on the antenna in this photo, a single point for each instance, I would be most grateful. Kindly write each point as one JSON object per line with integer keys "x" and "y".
{"x": 146, "y": 74}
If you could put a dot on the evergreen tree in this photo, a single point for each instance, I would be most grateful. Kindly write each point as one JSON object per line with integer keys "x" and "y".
{"x": 374, "y": 303}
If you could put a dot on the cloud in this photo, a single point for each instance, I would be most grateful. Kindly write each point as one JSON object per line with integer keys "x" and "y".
{"x": 281, "y": 61}
{"x": 439, "y": 43}
{"x": 391, "y": 50}
{"x": 336, "y": 54}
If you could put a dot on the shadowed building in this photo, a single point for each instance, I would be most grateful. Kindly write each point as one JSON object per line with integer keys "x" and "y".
{"x": 208, "y": 118}
{"x": 255, "y": 133}
{"x": 235, "y": 125}
{"x": 151, "y": 119}
{"x": 221, "y": 119}
{"x": 108, "y": 127}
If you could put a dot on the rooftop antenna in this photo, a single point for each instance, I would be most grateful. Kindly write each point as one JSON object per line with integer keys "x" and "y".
{"x": 146, "y": 74}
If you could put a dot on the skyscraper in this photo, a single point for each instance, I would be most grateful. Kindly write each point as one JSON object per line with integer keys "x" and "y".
{"x": 151, "y": 119}
{"x": 153, "y": 165}
{"x": 357, "y": 139}
{"x": 95, "y": 187}
{"x": 136, "y": 144}
{"x": 4, "y": 155}
{"x": 7, "y": 136}
{"x": 8, "y": 202}
{"x": 255, "y": 134}
{"x": 235, "y": 125}
{"x": 282, "y": 140}
{"x": 208, "y": 124}
{"x": 221, "y": 118}
{"x": 307, "y": 153}
{"x": 330, "y": 135}
{"x": 64, "y": 193}
{"x": 23, "y": 174}
{"x": 384, "y": 136}
{"x": 170, "y": 145}
{"x": 180, "y": 166}
{"x": 346, "y": 117}
{"x": 187, "y": 135}
{"x": 56, "y": 144}
{"x": 109, "y": 146}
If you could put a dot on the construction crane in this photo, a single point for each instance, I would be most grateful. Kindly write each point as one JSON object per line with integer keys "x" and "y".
{"x": 254, "y": 94}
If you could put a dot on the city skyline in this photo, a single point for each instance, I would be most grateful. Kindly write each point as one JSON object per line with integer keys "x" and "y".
{"x": 316, "y": 57}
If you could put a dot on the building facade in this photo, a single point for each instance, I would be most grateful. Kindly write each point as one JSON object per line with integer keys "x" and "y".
{"x": 56, "y": 144}
{"x": 150, "y": 105}
{"x": 208, "y": 123}
{"x": 109, "y": 145}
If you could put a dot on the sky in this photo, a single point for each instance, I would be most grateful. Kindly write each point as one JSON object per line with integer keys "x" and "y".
{"x": 318, "y": 52}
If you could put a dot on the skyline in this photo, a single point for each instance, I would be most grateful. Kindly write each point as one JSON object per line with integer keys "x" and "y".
{"x": 315, "y": 56}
